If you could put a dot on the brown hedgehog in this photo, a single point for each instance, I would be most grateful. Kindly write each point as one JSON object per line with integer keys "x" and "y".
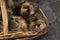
{"x": 17, "y": 23}
{"x": 27, "y": 6}
{"x": 38, "y": 25}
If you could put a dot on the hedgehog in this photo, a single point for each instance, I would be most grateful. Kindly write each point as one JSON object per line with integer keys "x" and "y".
{"x": 17, "y": 23}
{"x": 27, "y": 6}
{"x": 37, "y": 25}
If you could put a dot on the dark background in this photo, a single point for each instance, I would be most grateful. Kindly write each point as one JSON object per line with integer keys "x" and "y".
{"x": 51, "y": 9}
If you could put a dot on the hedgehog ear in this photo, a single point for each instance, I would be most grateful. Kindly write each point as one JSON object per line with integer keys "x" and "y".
{"x": 35, "y": 1}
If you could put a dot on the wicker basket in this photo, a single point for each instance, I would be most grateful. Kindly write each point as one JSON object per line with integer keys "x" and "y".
{"x": 5, "y": 34}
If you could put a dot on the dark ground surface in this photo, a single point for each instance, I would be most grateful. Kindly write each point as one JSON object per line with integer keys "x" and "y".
{"x": 54, "y": 33}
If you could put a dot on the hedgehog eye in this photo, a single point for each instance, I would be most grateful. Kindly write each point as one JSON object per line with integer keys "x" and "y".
{"x": 38, "y": 25}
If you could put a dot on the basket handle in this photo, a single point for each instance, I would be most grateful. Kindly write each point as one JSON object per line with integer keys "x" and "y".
{"x": 4, "y": 17}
